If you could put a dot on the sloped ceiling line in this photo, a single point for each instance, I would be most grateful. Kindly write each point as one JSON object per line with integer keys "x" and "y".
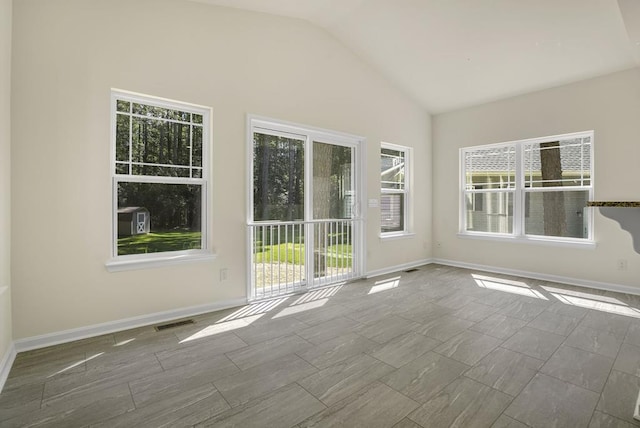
{"x": 451, "y": 54}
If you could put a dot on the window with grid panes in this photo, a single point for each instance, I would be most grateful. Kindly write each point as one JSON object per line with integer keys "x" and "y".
{"x": 536, "y": 188}
{"x": 394, "y": 189}
{"x": 160, "y": 176}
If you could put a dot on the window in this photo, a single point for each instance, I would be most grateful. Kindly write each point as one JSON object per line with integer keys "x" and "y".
{"x": 394, "y": 191}
{"x": 160, "y": 171}
{"x": 530, "y": 189}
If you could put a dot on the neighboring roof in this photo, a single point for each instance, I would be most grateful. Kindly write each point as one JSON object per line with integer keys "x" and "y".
{"x": 573, "y": 157}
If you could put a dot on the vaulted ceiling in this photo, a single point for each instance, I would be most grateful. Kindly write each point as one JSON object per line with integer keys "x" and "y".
{"x": 450, "y": 54}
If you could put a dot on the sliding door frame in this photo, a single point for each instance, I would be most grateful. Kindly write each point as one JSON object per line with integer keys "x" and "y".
{"x": 310, "y": 135}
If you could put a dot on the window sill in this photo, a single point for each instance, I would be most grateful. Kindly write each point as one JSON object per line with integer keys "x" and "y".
{"x": 146, "y": 262}
{"x": 571, "y": 243}
{"x": 398, "y": 235}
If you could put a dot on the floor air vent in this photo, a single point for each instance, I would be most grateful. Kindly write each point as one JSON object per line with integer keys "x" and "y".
{"x": 411, "y": 270}
{"x": 173, "y": 324}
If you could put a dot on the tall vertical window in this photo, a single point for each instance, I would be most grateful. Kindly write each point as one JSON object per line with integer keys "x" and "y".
{"x": 160, "y": 172}
{"x": 535, "y": 188}
{"x": 394, "y": 189}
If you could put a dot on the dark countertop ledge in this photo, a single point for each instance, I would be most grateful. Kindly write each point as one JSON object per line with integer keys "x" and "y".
{"x": 628, "y": 204}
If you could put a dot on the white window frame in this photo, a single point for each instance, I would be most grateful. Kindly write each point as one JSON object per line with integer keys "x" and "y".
{"x": 407, "y": 192}
{"x": 519, "y": 191}
{"x": 139, "y": 261}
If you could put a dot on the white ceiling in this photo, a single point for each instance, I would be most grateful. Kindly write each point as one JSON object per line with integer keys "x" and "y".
{"x": 450, "y": 54}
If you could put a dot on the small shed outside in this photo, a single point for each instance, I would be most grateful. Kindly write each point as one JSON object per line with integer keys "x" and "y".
{"x": 133, "y": 221}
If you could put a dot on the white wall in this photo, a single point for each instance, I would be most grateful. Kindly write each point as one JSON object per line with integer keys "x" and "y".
{"x": 5, "y": 177}
{"x": 609, "y": 105}
{"x": 67, "y": 56}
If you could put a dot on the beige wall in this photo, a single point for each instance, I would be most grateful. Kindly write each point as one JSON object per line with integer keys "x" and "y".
{"x": 67, "y": 56}
{"x": 5, "y": 176}
{"x": 609, "y": 105}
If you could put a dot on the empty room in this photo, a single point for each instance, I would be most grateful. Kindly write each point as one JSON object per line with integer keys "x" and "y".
{"x": 300, "y": 213}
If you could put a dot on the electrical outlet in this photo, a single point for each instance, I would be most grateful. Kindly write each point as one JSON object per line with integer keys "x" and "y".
{"x": 621, "y": 264}
{"x": 224, "y": 274}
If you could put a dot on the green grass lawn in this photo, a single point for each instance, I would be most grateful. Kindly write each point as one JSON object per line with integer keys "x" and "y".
{"x": 339, "y": 255}
{"x": 158, "y": 242}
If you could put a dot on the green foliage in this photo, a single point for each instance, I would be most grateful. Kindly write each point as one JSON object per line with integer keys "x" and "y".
{"x": 283, "y": 253}
{"x": 159, "y": 242}
{"x": 149, "y": 145}
{"x": 283, "y": 234}
{"x": 338, "y": 255}
{"x": 278, "y": 178}
{"x": 170, "y": 206}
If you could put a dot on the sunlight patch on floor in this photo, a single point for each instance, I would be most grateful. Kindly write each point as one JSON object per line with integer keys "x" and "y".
{"x": 593, "y": 301}
{"x": 385, "y": 284}
{"x": 75, "y": 364}
{"x": 238, "y": 319}
{"x": 301, "y": 308}
{"x": 322, "y": 293}
{"x": 221, "y": 327}
{"x": 506, "y": 285}
{"x": 254, "y": 309}
{"x": 124, "y": 342}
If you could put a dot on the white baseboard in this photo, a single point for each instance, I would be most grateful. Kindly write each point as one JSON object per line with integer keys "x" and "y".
{"x": 398, "y": 268}
{"x": 6, "y": 363}
{"x": 618, "y": 288}
{"x": 57, "y": 338}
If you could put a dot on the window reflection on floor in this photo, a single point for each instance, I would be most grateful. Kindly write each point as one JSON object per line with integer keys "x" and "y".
{"x": 386, "y": 284}
{"x": 291, "y": 305}
{"x": 583, "y": 299}
{"x": 593, "y": 301}
{"x": 508, "y": 286}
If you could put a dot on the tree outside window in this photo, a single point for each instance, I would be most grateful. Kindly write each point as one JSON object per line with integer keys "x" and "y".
{"x": 159, "y": 175}
{"x": 532, "y": 188}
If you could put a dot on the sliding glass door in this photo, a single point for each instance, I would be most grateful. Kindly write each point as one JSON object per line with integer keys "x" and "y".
{"x": 304, "y": 223}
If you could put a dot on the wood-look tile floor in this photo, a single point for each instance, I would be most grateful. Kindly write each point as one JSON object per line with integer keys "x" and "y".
{"x": 437, "y": 347}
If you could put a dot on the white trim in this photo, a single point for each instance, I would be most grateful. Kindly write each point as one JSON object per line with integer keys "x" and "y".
{"x": 126, "y": 262}
{"x": 396, "y": 235}
{"x": 407, "y": 190}
{"x": 56, "y": 338}
{"x": 636, "y": 412}
{"x": 567, "y": 136}
{"x": 558, "y": 242}
{"x": 519, "y": 197}
{"x": 271, "y": 124}
{"x": 249, "y": 206}
{"x": 140, "y": 98}
{"x": 606, "y": 286}
{"x": 6, "y": 363}
{"x": 163, "y": 259}
{"x": 398, "y": 268}
{"x": 361, "y": 206}
{"x": 519, "y": 191}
